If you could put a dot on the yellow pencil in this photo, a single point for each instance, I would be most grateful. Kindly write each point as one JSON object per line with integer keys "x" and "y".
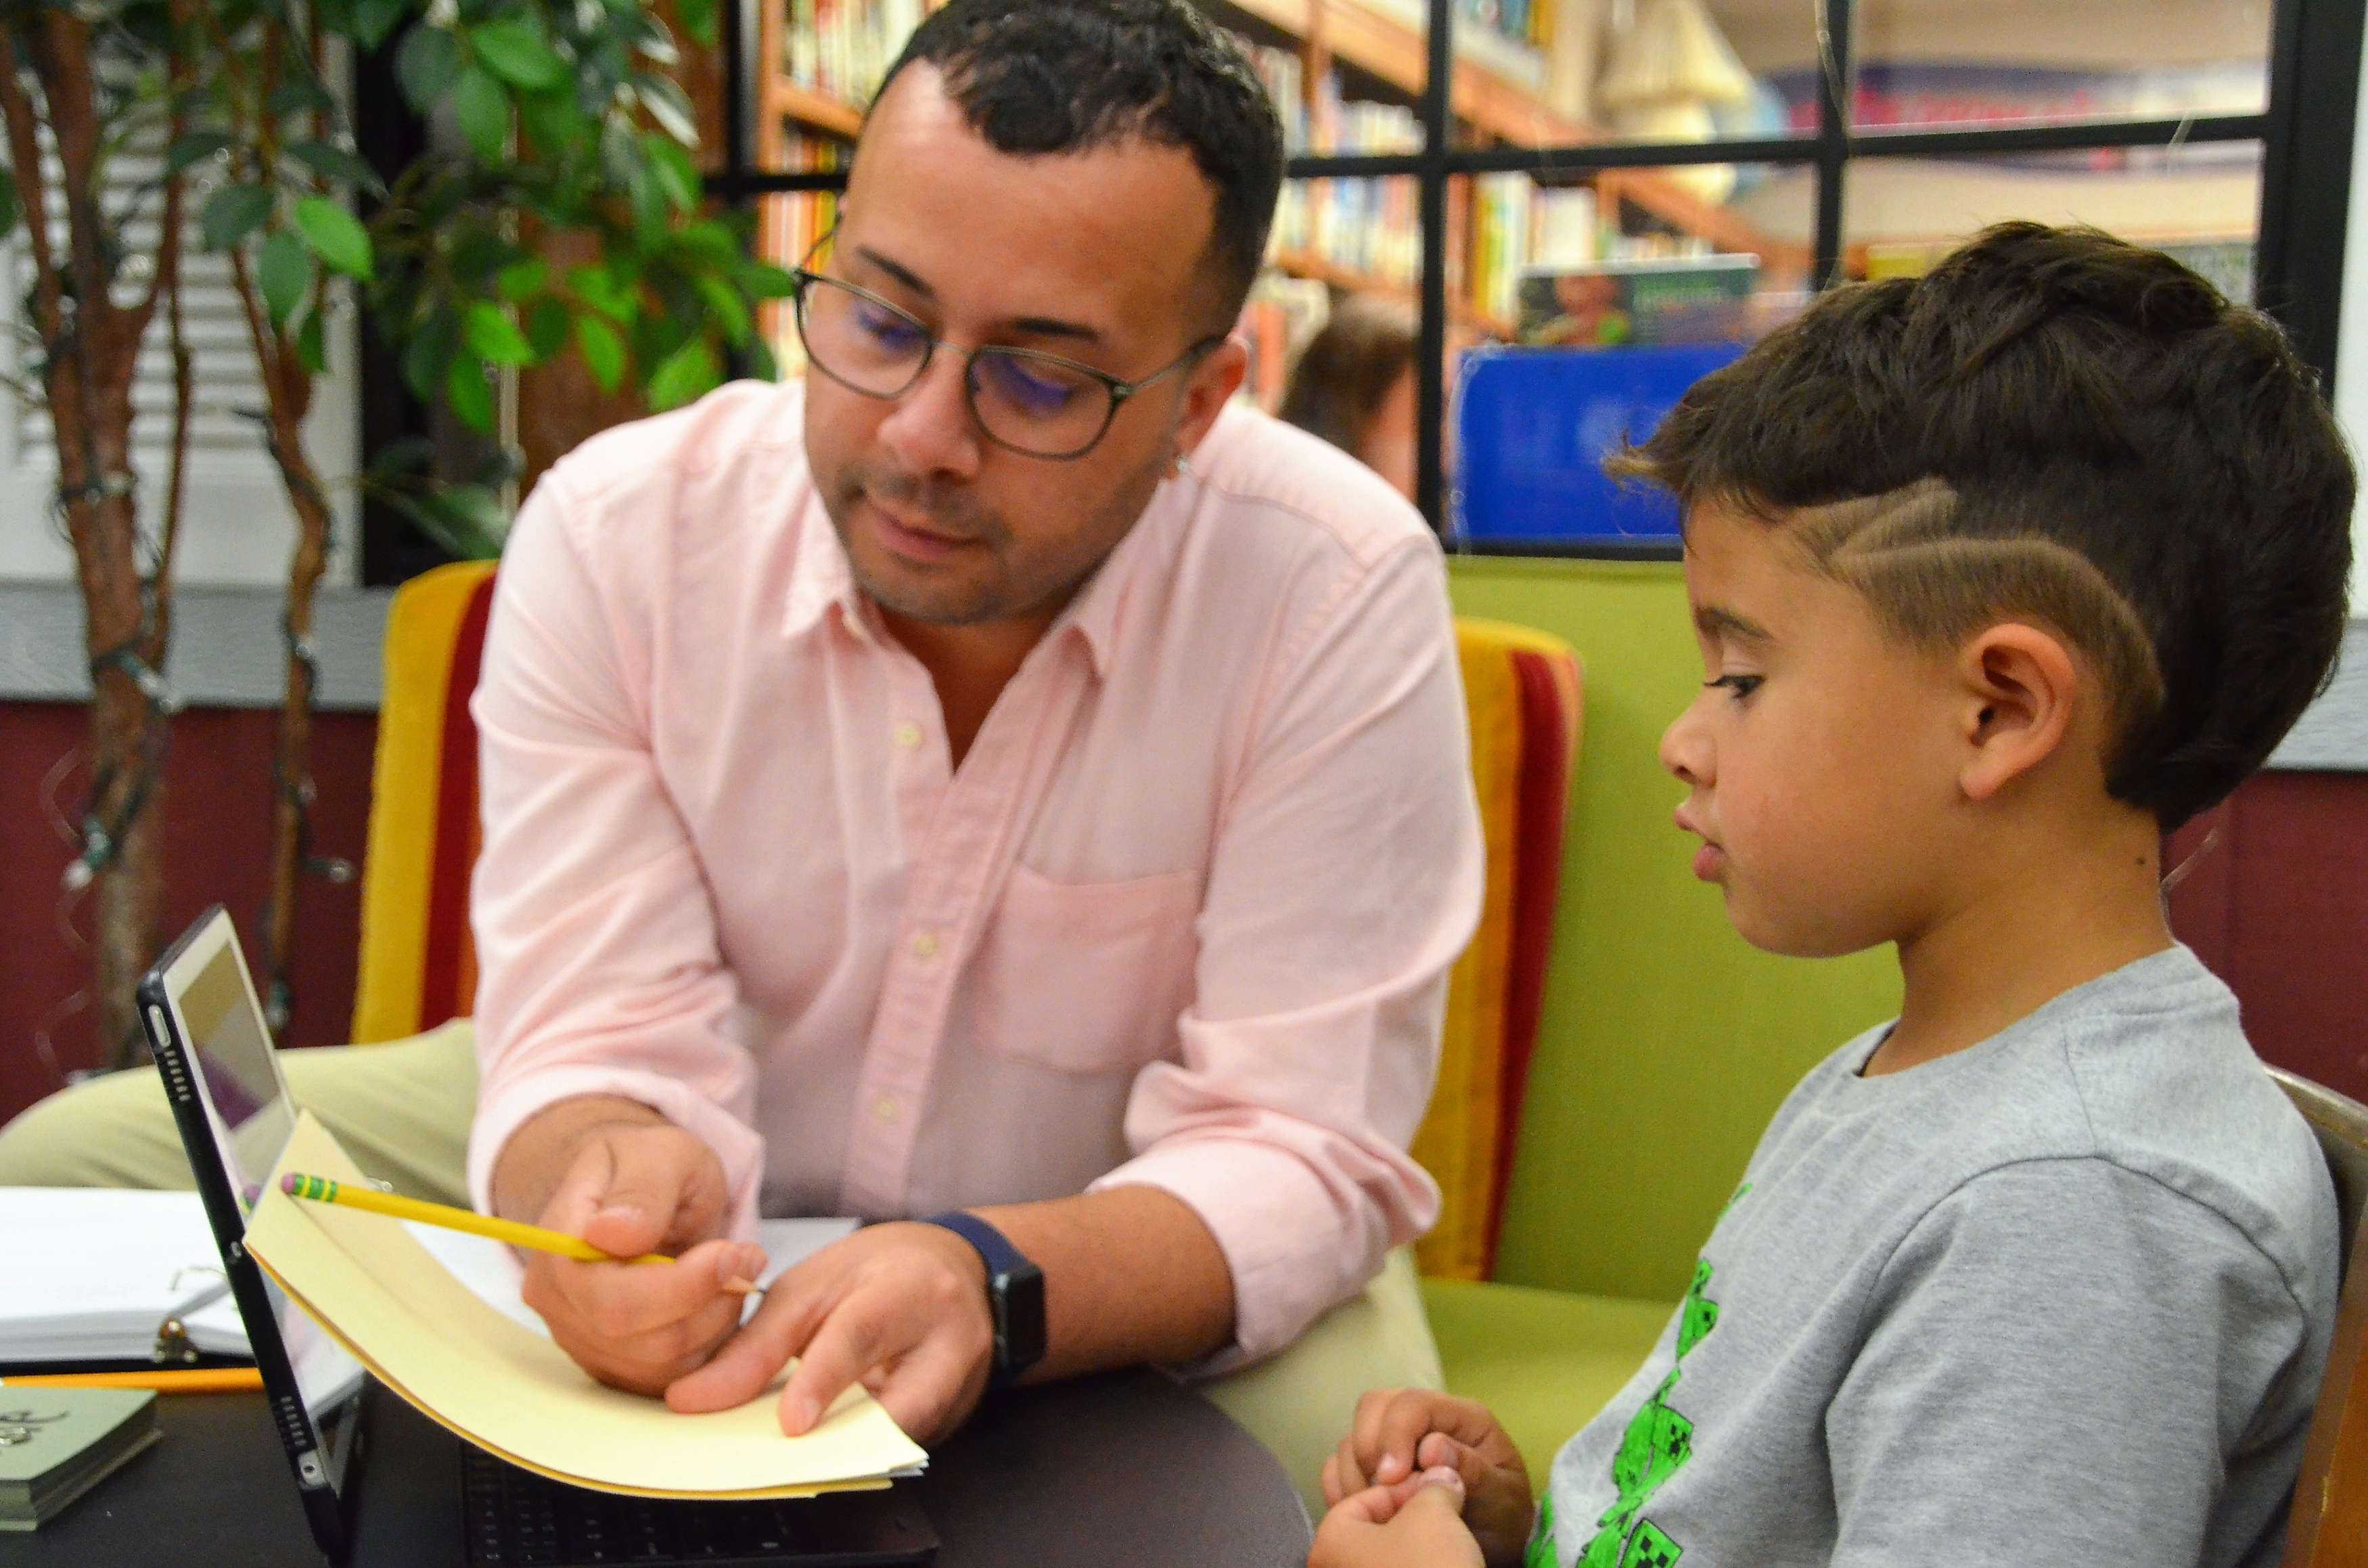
{"x": 321, "y": 1189}
{"x": 195, "y": 1379}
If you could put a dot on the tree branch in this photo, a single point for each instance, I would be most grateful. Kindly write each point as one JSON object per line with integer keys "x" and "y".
{"x": 32, "y": 186}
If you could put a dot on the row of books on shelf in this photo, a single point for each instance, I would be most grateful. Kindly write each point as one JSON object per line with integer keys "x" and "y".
{"x": 841, "y": 49}
{"x": 789, "y": 226}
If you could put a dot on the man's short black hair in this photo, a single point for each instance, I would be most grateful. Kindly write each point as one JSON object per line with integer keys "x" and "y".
{"x": 1045, "y": 77}
{"x": 2057, "y": 425}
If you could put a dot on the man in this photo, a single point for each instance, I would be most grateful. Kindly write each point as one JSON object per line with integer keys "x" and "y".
{"x": 998, "y": 782}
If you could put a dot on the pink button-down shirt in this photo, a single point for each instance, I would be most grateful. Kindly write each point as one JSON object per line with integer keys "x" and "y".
{"x": 1182, "y": 917}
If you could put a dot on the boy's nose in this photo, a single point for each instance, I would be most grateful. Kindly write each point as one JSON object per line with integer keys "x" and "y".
{"x": 1685, "y": 752}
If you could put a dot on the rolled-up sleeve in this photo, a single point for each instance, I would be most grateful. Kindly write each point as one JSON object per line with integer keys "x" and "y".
{"x": 1346, "y": 881}
{"x": 595, "y": 932}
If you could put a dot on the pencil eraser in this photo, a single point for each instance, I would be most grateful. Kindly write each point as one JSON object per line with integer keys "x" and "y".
{"x": 291, "y": 1185}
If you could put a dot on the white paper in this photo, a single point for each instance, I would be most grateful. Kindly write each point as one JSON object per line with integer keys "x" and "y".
{"x": 89, "y": 1273}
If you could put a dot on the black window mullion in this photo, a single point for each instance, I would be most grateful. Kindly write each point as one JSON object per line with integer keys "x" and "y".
{"x": 1835, "y": 76}
{"x": 1430, "y": 355}
{"x": 2314, "y": 101}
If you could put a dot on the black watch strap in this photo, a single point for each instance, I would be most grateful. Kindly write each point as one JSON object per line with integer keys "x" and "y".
{"x": 1015, "y": 1294}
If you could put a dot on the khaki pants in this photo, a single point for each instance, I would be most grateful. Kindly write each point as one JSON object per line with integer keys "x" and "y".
{"x": 402, "y": 1110}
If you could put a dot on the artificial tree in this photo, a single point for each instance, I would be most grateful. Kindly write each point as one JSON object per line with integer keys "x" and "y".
{"x": 568, "y": 130}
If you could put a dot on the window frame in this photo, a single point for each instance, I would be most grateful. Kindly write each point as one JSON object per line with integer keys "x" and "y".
{"x": 2307, "y": 124}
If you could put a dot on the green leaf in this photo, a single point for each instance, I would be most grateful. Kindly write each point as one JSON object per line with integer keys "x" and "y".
{"x": 762, "y": 366}
{"x": 335, "y": 234}
{"x": 698, "y": 19}
{"x": 669, "y": 106}
{"x": 522, "y": 279}
{"x": 336, "y": 165}
{"x": 599, "y": 289}
{"x": 427, "y": 65}
{"x": 683, "y": 375}
{"x": 677, "y": 174}
{"x": 301, "y": 95}
{"x": 373, "y": 19}
{"x": 194, "y": 148}
{"x": 762, "y": 281}
{"x": 484, "y": 109}
{"x": 312, "y": 345}
{"x": 233, "y": 213}
{"x": 514, "y": 50}
{"x": 283, "y": 270}
{"x": 11, "y": 205}
{"x": 469, "y": 395}
{"x": 603, "y": 351}
{"x": 555, "y": 121}
{"x": 492, "y": 336}
{"x": 546, "y": 327}
{"x": 729, "y": 310}
{"x": 456, "y": 526}
{"x": 428, "y": 352}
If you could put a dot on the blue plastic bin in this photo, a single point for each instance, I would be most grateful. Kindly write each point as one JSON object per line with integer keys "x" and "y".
{"x": 1533, "y": 428}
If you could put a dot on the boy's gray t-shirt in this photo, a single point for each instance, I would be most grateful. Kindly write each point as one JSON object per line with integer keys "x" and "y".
{"x": 2063, "y": 1297}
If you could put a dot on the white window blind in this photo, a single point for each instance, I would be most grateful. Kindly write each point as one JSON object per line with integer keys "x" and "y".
{"x": 237, "y": 527}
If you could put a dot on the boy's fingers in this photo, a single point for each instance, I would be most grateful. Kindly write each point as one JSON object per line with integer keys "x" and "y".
{"x": 1438, "y": 1491}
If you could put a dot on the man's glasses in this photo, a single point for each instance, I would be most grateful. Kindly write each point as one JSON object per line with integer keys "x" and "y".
{"x": 1036, "y": 403}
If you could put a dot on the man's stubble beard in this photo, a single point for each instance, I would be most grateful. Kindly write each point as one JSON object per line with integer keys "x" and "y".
{"x": 1008, "y": 594}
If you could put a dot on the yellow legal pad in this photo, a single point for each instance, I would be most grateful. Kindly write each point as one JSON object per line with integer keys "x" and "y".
{"x": 432, "y": 1340}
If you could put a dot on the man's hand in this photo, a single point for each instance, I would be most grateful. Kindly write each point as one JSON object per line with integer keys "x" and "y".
{"x": 1414, "y": 1524}
{"x": 900, "y": 1308}
{"x": 635, "y": 1186}
{"x": 1401, "y": 1433}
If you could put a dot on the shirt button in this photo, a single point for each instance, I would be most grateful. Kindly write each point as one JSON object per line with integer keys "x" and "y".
{"x": 925, "y": 946}
{"x": 908, "y": 734}
{"x": 884, "y": 1108}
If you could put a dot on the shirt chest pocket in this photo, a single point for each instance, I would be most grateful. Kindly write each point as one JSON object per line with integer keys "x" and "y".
{"x": 1085, "y": 977}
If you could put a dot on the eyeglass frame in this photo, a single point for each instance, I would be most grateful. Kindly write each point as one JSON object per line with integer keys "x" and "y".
{"x": 1121, "y": 391}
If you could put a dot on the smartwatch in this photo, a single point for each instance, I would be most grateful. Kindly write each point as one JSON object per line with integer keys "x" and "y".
{"x": 1015, "y": 1294}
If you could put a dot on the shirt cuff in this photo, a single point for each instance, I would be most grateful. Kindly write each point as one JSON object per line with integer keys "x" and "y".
{"x": 502, "y": 1113}
{"x": 1296, "y": 1249}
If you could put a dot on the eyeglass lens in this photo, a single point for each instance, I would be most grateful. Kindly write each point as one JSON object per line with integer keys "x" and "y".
{"x": 1026, "y": 401}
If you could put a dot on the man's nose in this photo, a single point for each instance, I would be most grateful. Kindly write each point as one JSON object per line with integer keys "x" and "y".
{"x": 931, "y": 429}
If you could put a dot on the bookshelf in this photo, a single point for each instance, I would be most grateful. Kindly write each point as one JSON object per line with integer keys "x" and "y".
{"x": 1302, "y": 264}
{"x": 818, "y": 58}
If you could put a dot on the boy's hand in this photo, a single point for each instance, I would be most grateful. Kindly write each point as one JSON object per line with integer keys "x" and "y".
{"x": 1399, "y": 1433}
{"x": 1414, "y": 1524}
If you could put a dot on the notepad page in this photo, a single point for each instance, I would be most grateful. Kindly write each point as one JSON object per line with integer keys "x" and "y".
{"x": 436, "y": 1343}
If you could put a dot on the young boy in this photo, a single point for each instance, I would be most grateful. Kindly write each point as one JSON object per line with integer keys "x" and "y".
{"x": 1998, "y": 576}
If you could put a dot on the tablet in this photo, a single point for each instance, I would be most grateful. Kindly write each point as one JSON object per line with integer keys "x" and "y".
{"x": 215, "y": 1055}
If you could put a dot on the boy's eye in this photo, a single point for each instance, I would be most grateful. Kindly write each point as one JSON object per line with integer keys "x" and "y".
{"x": 1739, "y": 687}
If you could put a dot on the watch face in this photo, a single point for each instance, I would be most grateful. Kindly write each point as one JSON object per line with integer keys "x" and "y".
{"x": 1020, "y": 1326}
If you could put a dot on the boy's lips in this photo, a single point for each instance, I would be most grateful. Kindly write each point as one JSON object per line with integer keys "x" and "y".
{"x": 1711, "y": 859}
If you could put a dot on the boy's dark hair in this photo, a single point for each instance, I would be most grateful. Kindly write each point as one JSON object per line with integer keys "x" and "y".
{"x": 2057, "y": 424}
{"x": 1044, "y": 76}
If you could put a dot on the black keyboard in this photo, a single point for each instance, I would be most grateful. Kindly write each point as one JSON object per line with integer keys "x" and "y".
{"x": 518, "y": 1519}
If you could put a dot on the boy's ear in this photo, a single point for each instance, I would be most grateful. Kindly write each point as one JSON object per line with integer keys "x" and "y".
{"x": 2020, "y": 685}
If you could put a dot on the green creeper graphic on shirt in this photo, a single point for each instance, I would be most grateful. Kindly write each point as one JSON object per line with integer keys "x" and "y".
{"x": 1656, "y": 1445}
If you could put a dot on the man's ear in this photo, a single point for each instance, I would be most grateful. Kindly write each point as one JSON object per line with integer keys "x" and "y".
{"x": 1213, "y": 382}
{"x": 2019, "y": 688}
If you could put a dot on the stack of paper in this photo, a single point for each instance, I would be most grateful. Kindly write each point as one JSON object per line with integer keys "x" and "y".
{"x": 92, "y": 1274}
{"x": 368, "y": 1282}
{"x": 56, "y": 1444}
